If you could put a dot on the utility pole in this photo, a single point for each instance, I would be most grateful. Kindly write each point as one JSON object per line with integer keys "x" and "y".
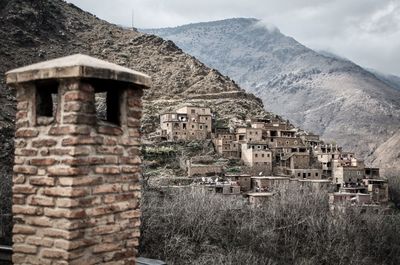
{"x": 133, "y": 19}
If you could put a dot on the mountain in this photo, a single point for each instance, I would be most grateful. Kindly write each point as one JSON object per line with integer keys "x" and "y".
{"x": 391, "y": 80}
{"x": 322, "y": 93}
{"x": 33, "y": 31}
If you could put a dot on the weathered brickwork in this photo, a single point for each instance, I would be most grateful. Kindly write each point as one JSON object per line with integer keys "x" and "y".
{"x": 76, "y": 189}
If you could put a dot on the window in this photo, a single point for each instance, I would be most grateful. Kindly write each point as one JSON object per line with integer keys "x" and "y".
{"x": 192, "y": 126}
{"x": 309, "y": 174}
{"x": 316, "y": 174}
{"x": 262, "y": 155}
{"x": 298, "y": 174}
{"x": 201, "y": 127}
{"x": 193, "y": 111}
{"x": 184, "y": 126}
{"x": 46, "y": 99}
{"x": 108, "y": 106}
{"x": 256, "y": 155}
{"x": 267, "y": 155}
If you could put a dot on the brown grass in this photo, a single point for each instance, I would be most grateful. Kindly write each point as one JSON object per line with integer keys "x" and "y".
{"x": 296, "y": 227}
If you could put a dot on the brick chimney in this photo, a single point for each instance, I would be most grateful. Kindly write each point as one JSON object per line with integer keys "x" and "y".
{"x": 76, "y": 176}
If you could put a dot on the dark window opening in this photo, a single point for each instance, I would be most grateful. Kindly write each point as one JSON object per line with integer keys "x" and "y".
{"x": 108, "y": 106}
{"x": 184, "y": 126}
{"x": 46, "y": 99}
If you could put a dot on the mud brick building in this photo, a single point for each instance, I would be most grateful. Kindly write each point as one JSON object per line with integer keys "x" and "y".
{"x": 187, "y": 123}
{"x": 76, "y": 176}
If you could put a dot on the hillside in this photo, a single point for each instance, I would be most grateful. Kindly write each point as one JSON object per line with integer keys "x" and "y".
{"x": 327, "y": 95}
{"x": 33, "y": 31}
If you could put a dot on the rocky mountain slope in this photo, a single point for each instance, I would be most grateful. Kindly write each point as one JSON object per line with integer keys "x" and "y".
{"x": 328, "y": 95}
{"x": 33, "y": 31}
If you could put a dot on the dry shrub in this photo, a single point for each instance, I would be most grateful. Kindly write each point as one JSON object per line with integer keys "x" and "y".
{"x": 295, "y": 227}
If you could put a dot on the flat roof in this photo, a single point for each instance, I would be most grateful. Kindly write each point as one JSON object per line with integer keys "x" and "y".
{"x": 260, "y": 194}
{"x": 269, "y": 177}
{"x": 78, "y": 65}
{"x": 349, "y": 194}
{"x": 315, "y": 180}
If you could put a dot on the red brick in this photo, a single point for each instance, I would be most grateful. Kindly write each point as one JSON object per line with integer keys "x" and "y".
{"x": 64, "y": 213}
{"x": 26, "y": 133}
{"x": 73, "y": 130}
{"x": 24, "y": 248}
{"x": 83, "y": 161}
{"x": 130, "y": 169}
{"x": 107, "y": 170}
{"x": 114, "y": 150}
{"x": 134, "y": 102}
{"x": 131, "y": 160}
{"x": 78, "y": 96}
{"x": 55, "y": 253}
{"x": 41, "y": 181}
{"x": 39, "y": 241}
{"x": 79, "y": 119}
{"x": 107, "y": 188}
{"x": 23, "y": 229}
{"x": 43, "y": 161}
{"x": 21, "y": 115}
{"x": 26, "y": 152}
{"x": 23, "y": 189}
{"x": 18, "y": 199}
{"x": 44, "y": 143}
{"x": 105, "y": 247}
{"x": 60, "y": 151}
{"x": 79, "y": 181}
{"x": 41, "y": 201}
{"x": 65, "y": 192}
{"x": 28, "y": 210}
{"x": 133, "y": 123}
{"x": 29, "y": 170}
{"x": 109, "y": 130}
{"x": 131, "y": 214}
{"x": 111, "y": 198}
{"x": 80, "y": 140}
{"x": 59, "y": 233}
{"x": 67, "y": 171}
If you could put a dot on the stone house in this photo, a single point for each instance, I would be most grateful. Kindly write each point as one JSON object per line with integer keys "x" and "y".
{"x": 187, "y": 123}
{"x": 259, "y": 198}
{"x": 247, "y": 135}
{"x": 378, "y": 189}
{"x": 348, "y": 173}
{"x": 269, "y": 183}
{"x": 257, "y": 156}
{"x": 244, "y": 180}
{"x": 202, "y": 166}
{"x": 227, "y": 188}
{"x": 226, "y": 145}
{"x": 325, "y": 154}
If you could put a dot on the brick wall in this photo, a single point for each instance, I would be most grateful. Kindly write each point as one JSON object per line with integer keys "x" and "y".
{"x": 76, "y": 180}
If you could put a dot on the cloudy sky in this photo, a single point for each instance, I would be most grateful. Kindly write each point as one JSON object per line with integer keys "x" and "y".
{"x": 365, "y": 31}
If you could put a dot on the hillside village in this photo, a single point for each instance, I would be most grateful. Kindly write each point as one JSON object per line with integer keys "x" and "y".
{"x": 268, "y": 153}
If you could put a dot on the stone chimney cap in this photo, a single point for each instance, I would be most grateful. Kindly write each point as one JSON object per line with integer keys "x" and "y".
{"x": 78, "y": 65}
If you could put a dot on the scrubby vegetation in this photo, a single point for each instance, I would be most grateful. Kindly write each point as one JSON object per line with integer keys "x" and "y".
{"x": 295, "y": 227}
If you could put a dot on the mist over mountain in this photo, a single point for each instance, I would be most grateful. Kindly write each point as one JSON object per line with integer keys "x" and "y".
{"x": 322, "y": 93}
